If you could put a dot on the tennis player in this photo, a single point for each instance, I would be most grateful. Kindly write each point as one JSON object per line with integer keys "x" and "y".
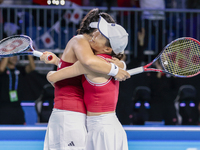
{"x": 100, "y": 91}
{"x": 66, "y": 126}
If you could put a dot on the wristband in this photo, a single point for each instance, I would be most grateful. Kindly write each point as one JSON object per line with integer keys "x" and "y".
{"x": 114, "y": 70}
{"x": 124, "y": 64}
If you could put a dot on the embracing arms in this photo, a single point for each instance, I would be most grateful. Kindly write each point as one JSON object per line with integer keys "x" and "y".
{"x": 85, "y": 55}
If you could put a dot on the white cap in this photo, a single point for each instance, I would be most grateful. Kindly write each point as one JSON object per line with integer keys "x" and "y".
{"x": 115, "y": 33}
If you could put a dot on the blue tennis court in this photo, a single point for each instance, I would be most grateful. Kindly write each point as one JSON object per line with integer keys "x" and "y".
{"x": 139, "y": 138}
{"x": 133, "y": 145}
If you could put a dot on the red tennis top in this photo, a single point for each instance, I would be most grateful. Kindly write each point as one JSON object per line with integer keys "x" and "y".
{"x": 100, "y": 97}
{"x": 69, "y": 92}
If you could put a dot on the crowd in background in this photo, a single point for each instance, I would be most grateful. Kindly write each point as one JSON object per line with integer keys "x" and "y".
{"x": 143, "y": 98}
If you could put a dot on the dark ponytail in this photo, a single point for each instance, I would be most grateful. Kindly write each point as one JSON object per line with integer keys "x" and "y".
{"x": 92, "y": 16}
{"x": 119, "y": 56}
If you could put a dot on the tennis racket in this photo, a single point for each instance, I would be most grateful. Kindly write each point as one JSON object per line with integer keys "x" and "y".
{"x": 180, "y": 58}
{"x": 19, "y": 45}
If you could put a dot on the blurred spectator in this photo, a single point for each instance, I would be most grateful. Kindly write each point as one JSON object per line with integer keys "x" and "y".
{"x": 140, "y": 56}
{"x": 187, "y": 105}
{"x": 17, "y": 2}
{"x": 180, "y": 4}
{"x": 141, "y": 105}
{"x": 152, "y": 20}
{"x": 11, "y": 91}
{"x": 192, "y": 18}
{"x": 174, "y": 21}
{"x": 1, "y": 15}
{"x": 164, "y": 92}
{"x": 41, "y": 18}
{"x": 13, "y": 19}
{"x": 192, "y": 4}
{"x": 127, "y": 3}
{"x": 8, "y": 24}
{"x": 132, "y": 24}
{"x": 80, "y": 2}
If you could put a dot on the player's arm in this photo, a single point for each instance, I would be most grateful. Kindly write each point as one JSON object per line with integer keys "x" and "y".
{"x": 31, "y": 66}
{"x": 68, "y": 72}
{"x": 3, "y": 64}
{"x": 86, "y": 56}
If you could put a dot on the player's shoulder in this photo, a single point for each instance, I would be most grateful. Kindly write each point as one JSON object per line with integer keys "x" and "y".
{"x": 79, "y": 39}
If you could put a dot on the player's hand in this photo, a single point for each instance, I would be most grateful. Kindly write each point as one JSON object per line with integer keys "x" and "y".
{"x": 54, "y": 59}
{"x": 116, "y": 62}
{"x": 141, "y": 36}
{"x": 122, "y": 75}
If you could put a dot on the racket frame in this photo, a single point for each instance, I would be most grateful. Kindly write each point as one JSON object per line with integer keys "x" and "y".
{"x": 146, "y": 69}
{"x": 23, "y": 51}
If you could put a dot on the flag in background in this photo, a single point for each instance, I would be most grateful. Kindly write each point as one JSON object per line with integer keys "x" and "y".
{"x": 76, "y": 16}
{"x": 56, "y": 27}
{"x": 67, "y": 15}
{"x": 47, "y": 40}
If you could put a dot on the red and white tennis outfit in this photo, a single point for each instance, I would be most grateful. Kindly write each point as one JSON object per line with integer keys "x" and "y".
{"x": 66, "y": 127}
{"x": 105, "y": 132}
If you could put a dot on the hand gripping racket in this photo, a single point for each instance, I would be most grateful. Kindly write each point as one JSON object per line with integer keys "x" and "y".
{"x": 180, "y": 58}
{"x": 19, "y": 45}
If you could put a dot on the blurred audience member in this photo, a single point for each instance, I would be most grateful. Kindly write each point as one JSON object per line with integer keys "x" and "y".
{"x": 127, "y": 3}
{"x": 192, "y": 4}
{"x": 41, "y": 18}
{"x": 140, "y": 56}
{"x": 186, "y": 104}
{"x": 124, "y": 16}
{"x": 80, "y": 2}
{"x": 192, "y": 18}
{"x": 180, "y": 4}
{"x": 141, "y": 105}
{"x": 164, "y": 92}
{"x": 11, "y": 75}
{"x": 152, "y": 20}
{"x": 1, "y": 15}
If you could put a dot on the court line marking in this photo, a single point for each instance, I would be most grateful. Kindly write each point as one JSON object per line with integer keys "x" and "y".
{"x": 23, "y": 128}
{"x": 162, "y": 128}
{"x": 125, "y": 128}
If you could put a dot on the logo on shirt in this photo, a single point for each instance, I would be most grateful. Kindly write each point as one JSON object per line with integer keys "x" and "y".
{"x": 59, "y": 65}
{"x": 71, "y": 144}
{"x": 115, "y": 67}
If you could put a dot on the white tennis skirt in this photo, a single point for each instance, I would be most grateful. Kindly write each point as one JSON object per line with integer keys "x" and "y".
{"x": 66, "y": 130}
{"x": 105, "y": 132}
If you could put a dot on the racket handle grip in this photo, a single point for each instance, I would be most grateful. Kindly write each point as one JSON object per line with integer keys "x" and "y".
{"x": 49, "y": 57}
{"x": 37, "y": 53}
{"x": 135, "y": 71}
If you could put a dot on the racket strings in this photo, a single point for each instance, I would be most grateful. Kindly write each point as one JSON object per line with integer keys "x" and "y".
{"x": 13, "y": 45}
{"x": 182, "y": 57}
